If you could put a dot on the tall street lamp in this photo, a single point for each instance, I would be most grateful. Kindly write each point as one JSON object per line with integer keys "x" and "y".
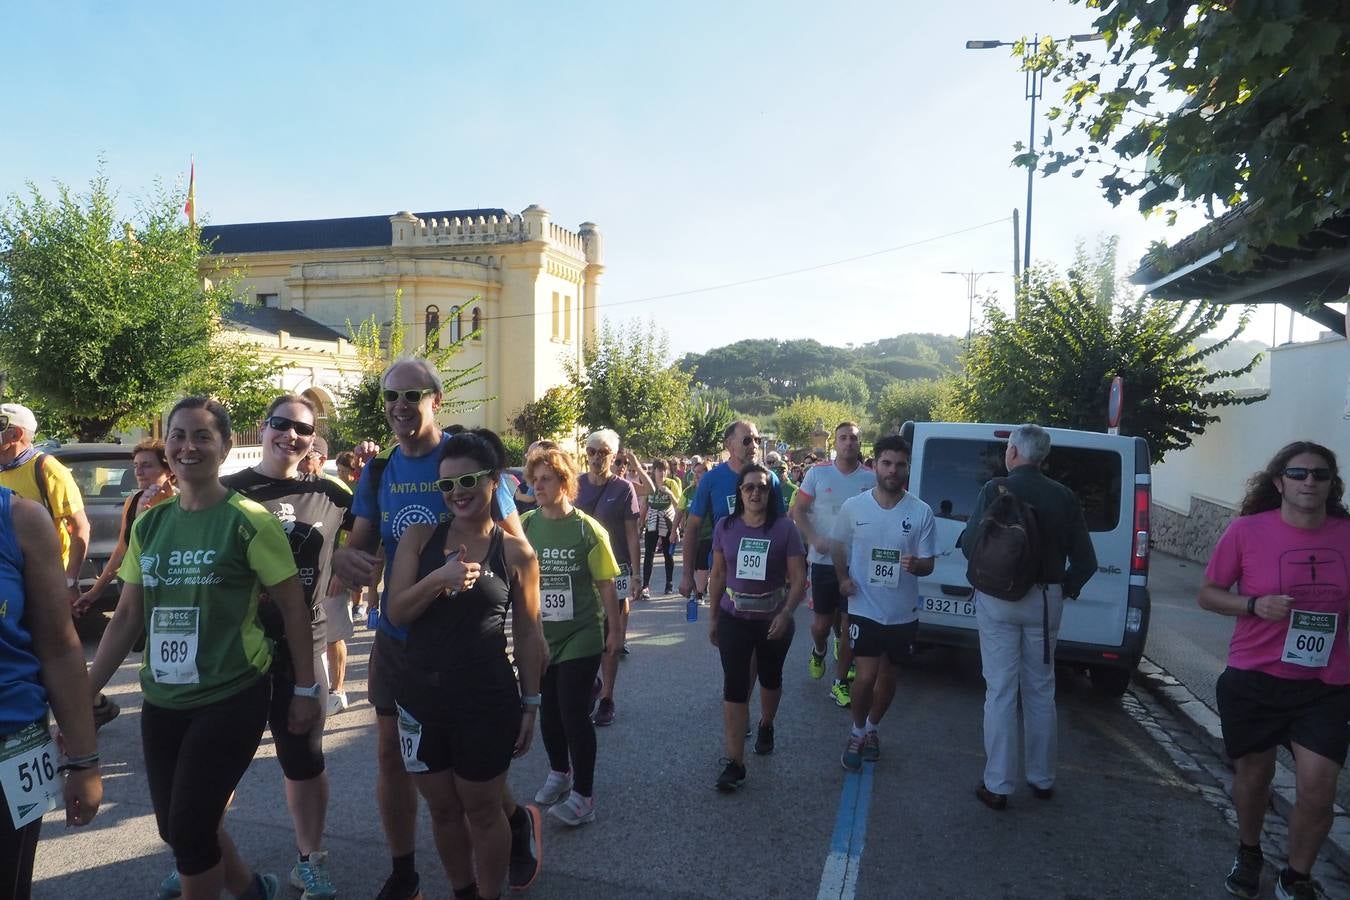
{"x": 1035, "y": 82}
{"x": 972, "y": 278}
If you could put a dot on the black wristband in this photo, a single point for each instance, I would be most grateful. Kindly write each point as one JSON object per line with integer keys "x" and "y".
{"x": 1251, "y": 606}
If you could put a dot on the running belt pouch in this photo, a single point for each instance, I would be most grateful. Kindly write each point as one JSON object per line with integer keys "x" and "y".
{"x": 755, "y": 603}
{"x": 1005, "y": 558}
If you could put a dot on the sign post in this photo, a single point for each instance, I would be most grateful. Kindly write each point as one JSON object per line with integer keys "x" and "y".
{"x": 1115, "y": 402}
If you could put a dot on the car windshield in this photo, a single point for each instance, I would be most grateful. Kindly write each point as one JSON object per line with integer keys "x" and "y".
{"x": 107, "y": 478}
{"x": 954, "y": 470}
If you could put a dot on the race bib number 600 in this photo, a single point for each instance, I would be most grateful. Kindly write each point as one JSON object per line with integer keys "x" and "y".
{"x": 172, "y": 644}
{"x": 1309, "y": 639}
{"x": 28, "y": 774}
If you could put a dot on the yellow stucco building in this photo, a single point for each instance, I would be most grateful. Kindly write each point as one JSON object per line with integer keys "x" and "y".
{"x": 530, "y": 285}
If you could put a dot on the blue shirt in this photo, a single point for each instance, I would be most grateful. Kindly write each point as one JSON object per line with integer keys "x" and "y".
{"x": 23, "y": 700}
{"x": 407, "y": 495}
{"x": 716, "y": 495}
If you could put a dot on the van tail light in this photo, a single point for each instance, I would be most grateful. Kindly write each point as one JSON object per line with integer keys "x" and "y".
{"x": 1139, "y": 558}
{"x": 1109, "y": 655}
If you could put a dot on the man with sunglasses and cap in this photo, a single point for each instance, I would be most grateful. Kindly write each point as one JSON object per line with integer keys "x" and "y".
{"x": 35, "y": 475}
{"x": 398, "y": 489}
{"x": 715, "y": 496}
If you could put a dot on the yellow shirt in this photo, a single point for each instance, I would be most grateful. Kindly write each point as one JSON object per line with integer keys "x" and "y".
{"x": 63, "y": 498}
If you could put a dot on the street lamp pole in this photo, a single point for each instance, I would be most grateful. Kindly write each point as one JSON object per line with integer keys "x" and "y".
{"x": 1034, "y": 84}
{"x": 972, "y": 278}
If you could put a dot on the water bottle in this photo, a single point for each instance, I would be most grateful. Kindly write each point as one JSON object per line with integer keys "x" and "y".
{"x": 373, "y": 618}
{"x": 691, "y": 608}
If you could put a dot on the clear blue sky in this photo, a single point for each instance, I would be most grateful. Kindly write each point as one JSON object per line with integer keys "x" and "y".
{"x": 711, "y": 142}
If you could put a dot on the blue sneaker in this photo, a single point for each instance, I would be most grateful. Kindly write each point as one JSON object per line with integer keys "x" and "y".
{"x": 311, "y": 877}
{"x": 171, "y": 887}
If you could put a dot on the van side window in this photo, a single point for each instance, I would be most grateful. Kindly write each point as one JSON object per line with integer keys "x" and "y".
{"x": 954, "y": 470}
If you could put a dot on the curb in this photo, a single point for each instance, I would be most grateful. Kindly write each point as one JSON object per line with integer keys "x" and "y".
{"x": 1204, "y": 723}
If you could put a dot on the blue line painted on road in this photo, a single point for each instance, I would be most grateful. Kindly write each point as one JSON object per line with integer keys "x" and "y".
{"x": 839, "y": 879}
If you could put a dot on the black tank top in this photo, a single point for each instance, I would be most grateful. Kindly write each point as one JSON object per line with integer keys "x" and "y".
{"x": 454, "y": 661}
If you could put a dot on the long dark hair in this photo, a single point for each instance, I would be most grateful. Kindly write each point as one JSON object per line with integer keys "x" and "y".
{"x": 1262, "y": 495}
{"x": 770, "y": 508}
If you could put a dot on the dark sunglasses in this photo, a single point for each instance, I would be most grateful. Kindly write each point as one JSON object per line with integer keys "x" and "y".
{"x": 281, "y": 423}
{"x": 597, "y": 451}
{"x": 1301, "y": 473}
{"x": 754, "y": 487}
{"x": 751, "y": 439}
{"x": 467, "y": 482}
{"x": 4, "y": 422}
{"x": 412, "y": 396}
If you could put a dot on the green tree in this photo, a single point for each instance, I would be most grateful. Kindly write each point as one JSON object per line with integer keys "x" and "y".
{"x": 240, "y": 378}
{"x": 1264, "y": 120}
{"x": 555, "y": 412}
{"x": 361, "y": 414}
{"x": 906, "y": 401}
{"x": 102, "y": 319}
{"x": 842, "y": 387}
{"x": 795, "y": 421}
{"x": 710, "y": 413}
{"x": 1054, "y": 364}
{"x": 630, "y": 385}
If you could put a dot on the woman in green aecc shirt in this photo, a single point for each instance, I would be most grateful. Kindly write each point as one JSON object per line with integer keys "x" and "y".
{"x": 194, "y": 569}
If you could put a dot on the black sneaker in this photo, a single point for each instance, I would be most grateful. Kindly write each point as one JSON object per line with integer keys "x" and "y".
{"x": 527, "y": 855}
{"x": 397, "y": 889}
{"x": 1302, "y": 889}
{"x": 1244, "y": 879}
{"x": 764, "y": 740}
{"x": 604, "y": 714}
{"x": 732, "y": 777}
{"x": 105, "y": 710}
{"x": 670, "y": 587}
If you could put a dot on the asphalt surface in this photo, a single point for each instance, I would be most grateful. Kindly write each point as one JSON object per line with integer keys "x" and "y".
{"x": 1128, "y": 820}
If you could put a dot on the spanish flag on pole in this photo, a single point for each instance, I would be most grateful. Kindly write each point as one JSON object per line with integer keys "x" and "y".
{"x": 190, "y": 207}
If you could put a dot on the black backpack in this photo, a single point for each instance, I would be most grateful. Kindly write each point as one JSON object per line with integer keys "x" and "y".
{"x": 1006, "y": 553}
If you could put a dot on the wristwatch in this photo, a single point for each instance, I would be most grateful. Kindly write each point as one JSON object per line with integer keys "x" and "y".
{"x": 72, "y": 582}
{"x": 311, "y": 691}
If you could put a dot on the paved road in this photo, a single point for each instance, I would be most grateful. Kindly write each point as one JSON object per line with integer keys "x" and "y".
{"x": 1125, "y": 821}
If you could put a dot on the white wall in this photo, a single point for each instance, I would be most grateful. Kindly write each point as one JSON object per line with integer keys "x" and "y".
{"x": 1307, "y": 401}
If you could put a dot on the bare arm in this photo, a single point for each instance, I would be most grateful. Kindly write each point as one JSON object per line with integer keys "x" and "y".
{"x": 289, "y": 597}
{"x": 643, "y": 486}
{"x": 801, "y": 517}
{"x": 78, "y": 524}
{"x": 609, "y": 597}
{"x": 408, "y": 596}
{"x": 110, "y": 569}
{"x": 511, "y": 525}
{"x": 717, "y": 584}
{"x": 356, "y": 562}
{"x": 1215, "y": 598}
{"x": 527, "y": 632}
{"x": 127, "y": 623}
{"x": 634, "y": 559}
{"x": 689, "y": 551}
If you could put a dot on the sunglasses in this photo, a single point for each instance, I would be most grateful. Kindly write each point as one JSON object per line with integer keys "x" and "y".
{"x": 4, "y": 422}
{"x": 751, "y": 439}
{"x": 467, "y": 482}
{"x": 754, "y": 487}
{"x": 597, "y": 451}
{"x": 412, "y": 396}
{"x": 281, "y": 423}
{"x": 1301, "y": 473}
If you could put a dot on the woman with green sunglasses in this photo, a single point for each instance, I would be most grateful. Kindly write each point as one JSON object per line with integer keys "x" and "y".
{"x": 461, "y": 715}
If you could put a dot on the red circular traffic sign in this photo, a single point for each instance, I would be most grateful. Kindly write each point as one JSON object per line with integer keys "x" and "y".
{"x": 1115, "y": 402}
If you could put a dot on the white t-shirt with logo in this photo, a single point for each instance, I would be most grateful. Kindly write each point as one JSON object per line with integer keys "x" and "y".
{"x": 828, "y": 488}
{"x": 875, "y": 539}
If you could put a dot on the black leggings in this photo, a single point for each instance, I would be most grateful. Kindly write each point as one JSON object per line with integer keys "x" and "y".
{"x": 17, "y": 849}
{"x": 565, "y": 719}
{"x": 666, "y": 550}
{"x": 738, "y": 640}
{"x": 194, "y": 759}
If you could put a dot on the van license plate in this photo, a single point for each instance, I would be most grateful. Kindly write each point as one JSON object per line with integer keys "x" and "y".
{"x": 949, "y": 606}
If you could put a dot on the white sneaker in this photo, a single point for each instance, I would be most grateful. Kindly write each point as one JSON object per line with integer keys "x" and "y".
{"x": 337, "y": 702}
{"x": 555, "y": 788}
{"x": 577, "y": 810}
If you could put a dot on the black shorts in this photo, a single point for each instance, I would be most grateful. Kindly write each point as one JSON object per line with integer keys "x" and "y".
{"x": 825, "y": 597}
{"x": 868, "y": 639}
{"x": 380, "y": 674}
{"x": 1259, "y": 711}
{"x": 703, "y": 559}
{"x": 476, "y": 747}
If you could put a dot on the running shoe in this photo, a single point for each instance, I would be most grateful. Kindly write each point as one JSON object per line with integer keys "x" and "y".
{"x": 266, "y": 886}
{"x": 646, "y": 594}
{"x": 337, "y": 702}
{"x": 852, "y": 757}
{"x": 604, "y": 713}
{"x": 670, "y": 587}
{"x": 839, "y": 691}
{"x": 1244, "y": 879}
{"x": 871, "y": 747}
{"x": 359, "y": 614}
{"x": 624, "y": 651}
{"x": 557, "y": 786}
{"x": 311, "y": 877}
{"x": 1304, "y": 889}
{"x": 105, "y": 710}
{"x": 576, "y": 810}
{"x": 394, "y": 889}
{"x": 732, "y": 777}
{"x": 527, "y": 852}
{"x": 764, "y": 740}
{"x": 597, "y": 688}
{"x": 815, "y": 665}
{"x": 171, "y": 886}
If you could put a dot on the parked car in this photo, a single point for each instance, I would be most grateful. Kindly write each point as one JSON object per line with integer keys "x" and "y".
{"x": 106, "y": 477}
{"x": 1103, "y": 631}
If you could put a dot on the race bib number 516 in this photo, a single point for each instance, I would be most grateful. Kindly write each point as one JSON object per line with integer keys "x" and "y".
{"x": 28, "y": 774}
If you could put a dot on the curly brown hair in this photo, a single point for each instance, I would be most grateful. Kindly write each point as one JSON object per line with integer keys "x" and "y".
{"x": 562, "y": 466}
{"x": 1262, "y": 495}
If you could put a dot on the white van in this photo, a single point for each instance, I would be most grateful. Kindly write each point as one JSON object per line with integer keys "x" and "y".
{"x": 1104, "y": 631}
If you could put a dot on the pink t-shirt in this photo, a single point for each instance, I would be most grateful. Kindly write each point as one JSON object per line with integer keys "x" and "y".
{"x": 1264, "y": 555}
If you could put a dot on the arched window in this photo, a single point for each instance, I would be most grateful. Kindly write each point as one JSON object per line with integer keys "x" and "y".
{"x": 456, "y": 324}
{"x": 433, "y": 340}
{"x": 477, "y": 323}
